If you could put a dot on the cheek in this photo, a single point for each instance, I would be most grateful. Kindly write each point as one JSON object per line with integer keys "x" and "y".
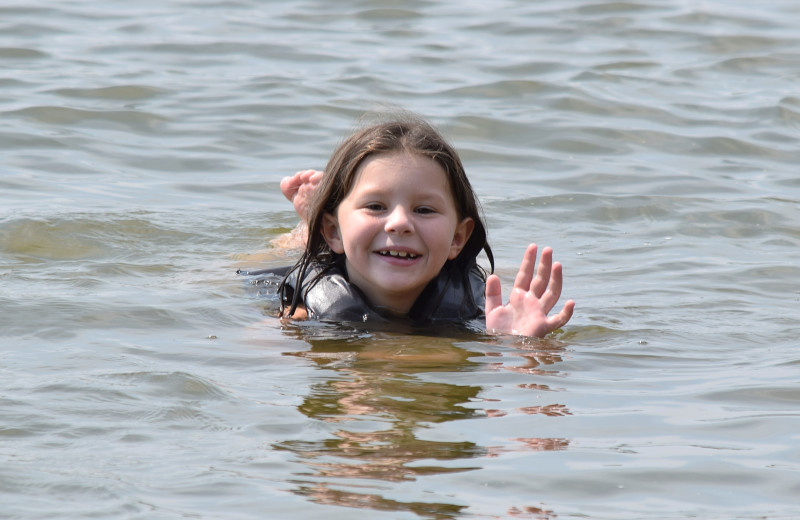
{"x": 357, "y": 233}
{"x": 439, "y": 237}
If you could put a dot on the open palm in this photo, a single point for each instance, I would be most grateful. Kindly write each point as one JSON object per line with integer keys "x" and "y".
{"x": 531, "y": 300}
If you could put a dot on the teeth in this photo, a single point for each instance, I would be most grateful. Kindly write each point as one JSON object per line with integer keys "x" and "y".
{"x": 399, "y": 254}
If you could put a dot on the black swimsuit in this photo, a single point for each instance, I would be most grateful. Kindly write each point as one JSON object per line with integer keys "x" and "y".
{"x": 331, "y": 297}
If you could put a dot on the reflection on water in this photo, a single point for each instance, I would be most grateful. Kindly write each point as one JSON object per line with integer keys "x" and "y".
{"x": 380, "y": 394}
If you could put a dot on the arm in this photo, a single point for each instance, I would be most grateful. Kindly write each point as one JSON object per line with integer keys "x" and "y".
{"x": 532, "y": 298}
{"x": 300, "y": 313}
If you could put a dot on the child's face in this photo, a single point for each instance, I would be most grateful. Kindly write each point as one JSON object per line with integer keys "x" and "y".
{"x": 396, "y": 227}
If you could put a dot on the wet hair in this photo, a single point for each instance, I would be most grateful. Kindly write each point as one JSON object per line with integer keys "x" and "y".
{"x": 399, "y": 133}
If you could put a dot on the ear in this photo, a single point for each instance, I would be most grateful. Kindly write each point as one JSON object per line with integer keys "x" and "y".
{"x": 331, "y": 234}
{"x": 460, "y": 237}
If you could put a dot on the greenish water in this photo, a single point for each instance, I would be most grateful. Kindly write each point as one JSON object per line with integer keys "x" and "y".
{"x": 653, "y": 144}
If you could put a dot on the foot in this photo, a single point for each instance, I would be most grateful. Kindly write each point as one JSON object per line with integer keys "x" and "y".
{"x": 300, "y": 189}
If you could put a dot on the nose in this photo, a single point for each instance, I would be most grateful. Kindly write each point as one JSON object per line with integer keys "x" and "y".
{"x": 399, "y": 221}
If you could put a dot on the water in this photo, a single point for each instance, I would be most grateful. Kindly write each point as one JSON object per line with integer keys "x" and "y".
{"x": 652, "y": 143}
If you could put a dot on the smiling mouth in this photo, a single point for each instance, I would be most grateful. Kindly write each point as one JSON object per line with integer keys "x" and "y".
{"x": 398, "y": 254}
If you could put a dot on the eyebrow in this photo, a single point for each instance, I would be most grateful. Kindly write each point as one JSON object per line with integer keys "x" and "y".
{"x": 432, "y": 197}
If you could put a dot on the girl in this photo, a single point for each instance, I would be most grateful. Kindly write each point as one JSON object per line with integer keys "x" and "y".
{"x": 392, "y": 231}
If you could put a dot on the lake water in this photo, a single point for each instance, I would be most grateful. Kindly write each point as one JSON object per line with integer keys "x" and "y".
{"x": 652, "y": 143}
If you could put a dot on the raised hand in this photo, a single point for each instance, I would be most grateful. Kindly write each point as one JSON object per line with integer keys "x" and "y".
{"x": 531, "y": 300}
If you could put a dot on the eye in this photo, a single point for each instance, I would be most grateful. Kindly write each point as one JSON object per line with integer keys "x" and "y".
{"x": 374, "y": 206}
{"x": 425, "y": 210}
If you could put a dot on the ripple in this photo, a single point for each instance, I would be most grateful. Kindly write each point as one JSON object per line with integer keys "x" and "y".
{"x": 653, "y": 144}
{"x": 64, "y": 240}
{"x": 760, "y": 398}
{"x": 176, "y": 385}
{"x": 503, "y": 89}
{"x": 16, "y": 53}
{"x": 740, "y": 223}
{"x": 17, "y": 140}
{"x": 140, "y": 121}
{"x": 732, "y": 44}
{"x": 82, "y": 236}
{"x": 121, "y": 92}
{"x": 388, "y": 14}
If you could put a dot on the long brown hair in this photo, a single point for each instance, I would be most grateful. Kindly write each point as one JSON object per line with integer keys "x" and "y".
{"x": 403, "y": 132}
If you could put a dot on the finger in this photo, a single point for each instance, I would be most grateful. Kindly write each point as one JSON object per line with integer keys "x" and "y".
{"x": 542, "y": 278}
{"x": 561, "y": 319}
{"x": 523, "y": 279}
{"x": 494, "y": 296}
{"x": 553, "y": 293}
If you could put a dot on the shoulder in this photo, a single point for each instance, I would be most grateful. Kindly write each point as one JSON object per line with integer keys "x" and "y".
{"x": 328, "y": 295}
{"x": 454, "y": 295}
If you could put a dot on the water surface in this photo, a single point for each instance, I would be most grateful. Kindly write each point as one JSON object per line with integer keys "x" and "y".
{"x": 653, "y": 144}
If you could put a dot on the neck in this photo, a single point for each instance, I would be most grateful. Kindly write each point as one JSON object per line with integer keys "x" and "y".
{"x": 395, "y": 304}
